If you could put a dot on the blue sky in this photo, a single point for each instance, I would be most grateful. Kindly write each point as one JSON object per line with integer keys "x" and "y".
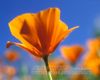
{"x": 73, "y": 12}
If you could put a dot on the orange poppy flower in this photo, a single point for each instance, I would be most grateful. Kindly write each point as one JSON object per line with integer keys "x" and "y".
{"x": 57, "y": 66}
{"x": 71, "y": 53}
{"x": 92, "y": 58}
{"x": 11, "y": 55}
{"x": 94, "y": 44}
{"x": 39, "y": 33}
{"x": 79, "y": 76}
{"x": 10, "y": 71}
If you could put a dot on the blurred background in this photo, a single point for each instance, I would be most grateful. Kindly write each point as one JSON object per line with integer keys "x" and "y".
{"x": 82, "y": 13}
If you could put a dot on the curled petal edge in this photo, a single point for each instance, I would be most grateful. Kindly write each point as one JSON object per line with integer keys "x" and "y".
{"x": 23, "y": 47}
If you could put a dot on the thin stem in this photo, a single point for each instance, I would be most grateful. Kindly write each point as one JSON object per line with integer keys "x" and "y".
{"x": 47, "y": 67}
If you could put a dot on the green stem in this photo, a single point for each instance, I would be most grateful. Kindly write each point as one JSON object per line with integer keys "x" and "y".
{"x": 47, "y": 67}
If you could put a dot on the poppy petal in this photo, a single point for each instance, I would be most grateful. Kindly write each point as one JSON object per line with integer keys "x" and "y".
{"x": 60, "y": 37}
{"x": 34, "y": 51}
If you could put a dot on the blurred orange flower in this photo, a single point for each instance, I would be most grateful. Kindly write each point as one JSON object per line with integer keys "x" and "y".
{"x": 79, "y": 76}
{"x": 39, "y": 33}
{"x": 94, "y": 44}
{"x": 92, "y": 58}
{"x": 10, "y": 71}
{"x": 11, "y": 55}
{"x": 72, "y": 53}
{"x": 57, "y": 66}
